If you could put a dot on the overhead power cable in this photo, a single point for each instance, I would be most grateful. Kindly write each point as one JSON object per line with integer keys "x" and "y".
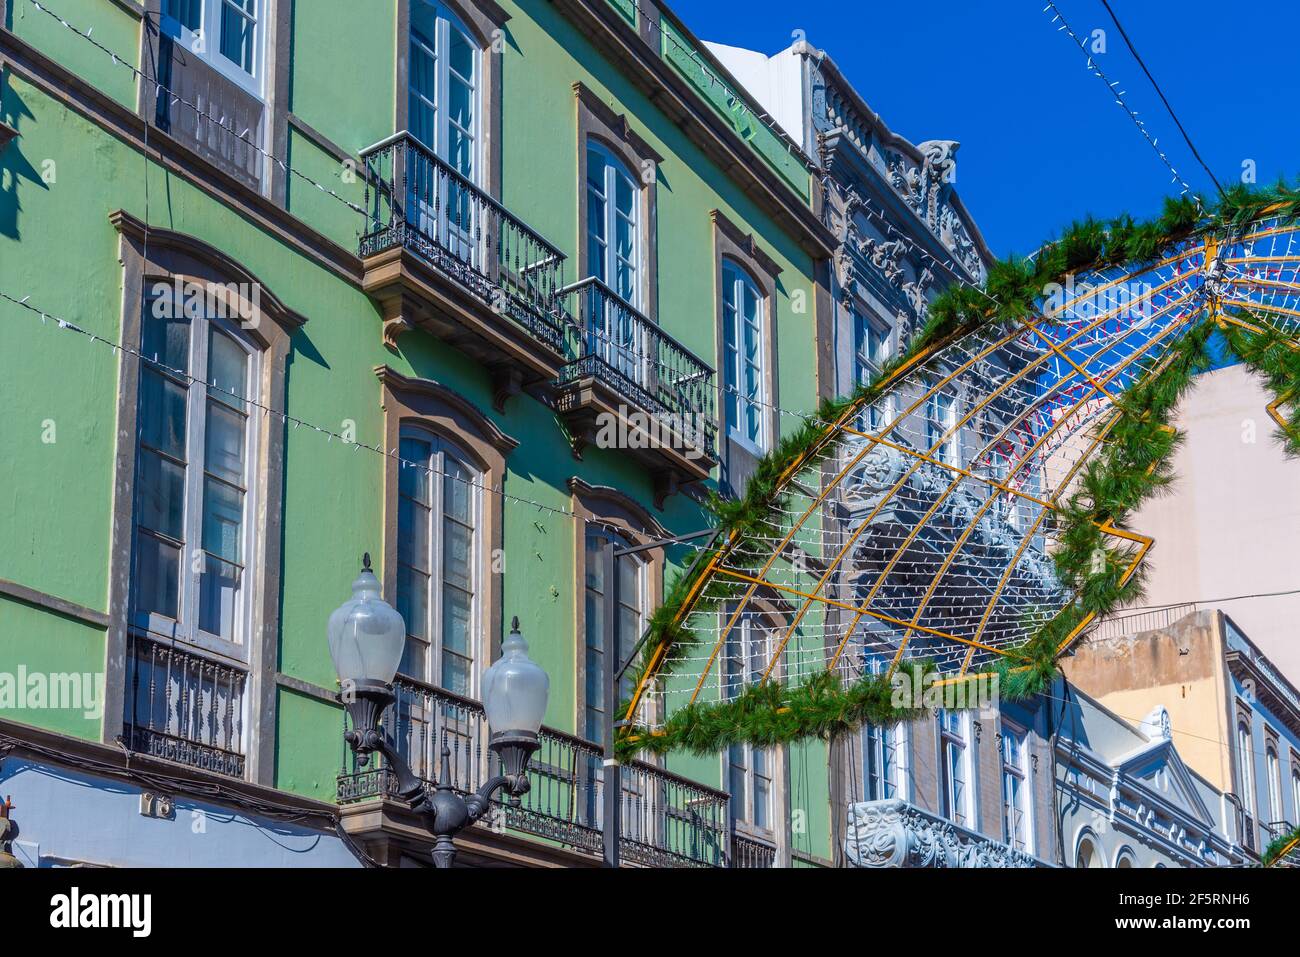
{"x": 1161, "y": 93}
{"x": 1118, "y": 94}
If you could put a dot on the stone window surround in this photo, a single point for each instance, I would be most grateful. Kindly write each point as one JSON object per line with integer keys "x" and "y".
{"x": 730, "y": 242}
{"x": 486, "y": 22}
{"x": 598, "y": 121}
{"x": 443, "y": 412}
{"x": 604, "y": 505}
{"x": 172, "y": 255}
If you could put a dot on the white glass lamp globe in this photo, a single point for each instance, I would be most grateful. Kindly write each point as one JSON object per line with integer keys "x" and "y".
{"x": 366, "y": 634}
{"x": 515, "y": 688}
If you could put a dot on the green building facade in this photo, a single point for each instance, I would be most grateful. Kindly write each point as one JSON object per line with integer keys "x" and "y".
{"x": 474, "y": 288}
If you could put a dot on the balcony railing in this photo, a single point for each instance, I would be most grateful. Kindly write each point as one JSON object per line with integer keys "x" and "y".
{"x": 184, "y": 707}
{"x": 618, "y": 346}
{"x": 748, "y": 853}
{"x": 416, "y": 200}
{"x": 666, "y": 820}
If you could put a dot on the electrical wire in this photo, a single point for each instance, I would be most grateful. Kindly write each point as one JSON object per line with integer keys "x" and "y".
{"x": 1163, "y": 99}
{"x": 1203, "y": 601}
{"x": 1096, "y": 71}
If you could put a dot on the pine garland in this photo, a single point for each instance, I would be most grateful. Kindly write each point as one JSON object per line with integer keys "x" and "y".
{"x": 1134, "y": 465}
{"x": 1278, "y": 845}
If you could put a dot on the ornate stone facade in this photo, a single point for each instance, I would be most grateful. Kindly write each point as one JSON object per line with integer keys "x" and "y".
{"x": 894, "y": 833}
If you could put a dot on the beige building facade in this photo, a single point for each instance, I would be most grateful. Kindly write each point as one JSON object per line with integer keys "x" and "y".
{"x": 1231, "y": 523}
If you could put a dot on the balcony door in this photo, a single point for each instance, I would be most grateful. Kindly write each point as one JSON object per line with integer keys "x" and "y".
{"x": 614, "y": 331}
{"x": 443, "y": 115}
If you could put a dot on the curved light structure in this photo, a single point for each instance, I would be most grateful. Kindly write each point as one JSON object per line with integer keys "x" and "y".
{"x": 928, "y": 530}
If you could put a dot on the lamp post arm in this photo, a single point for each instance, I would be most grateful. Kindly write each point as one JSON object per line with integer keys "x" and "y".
{"x": 409, "y": 787}
{"x": 479, "y": 802}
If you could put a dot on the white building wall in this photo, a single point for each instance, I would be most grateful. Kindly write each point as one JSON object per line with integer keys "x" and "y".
{"x": 67, "y": 817}
{"x": 1231, "y": 524}
{"x": 775, "y": 81}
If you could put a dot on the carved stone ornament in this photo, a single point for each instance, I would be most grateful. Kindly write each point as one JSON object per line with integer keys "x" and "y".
{"x": 894, "y": 833}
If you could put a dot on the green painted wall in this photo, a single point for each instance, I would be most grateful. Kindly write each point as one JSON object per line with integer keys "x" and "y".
{"x": 56, "y": 245}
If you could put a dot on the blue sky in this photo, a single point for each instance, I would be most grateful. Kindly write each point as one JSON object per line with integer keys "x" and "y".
{"x": 1041, "y": 140}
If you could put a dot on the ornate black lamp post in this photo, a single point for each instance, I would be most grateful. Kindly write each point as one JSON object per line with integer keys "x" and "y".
{"x": 366, "y": 638}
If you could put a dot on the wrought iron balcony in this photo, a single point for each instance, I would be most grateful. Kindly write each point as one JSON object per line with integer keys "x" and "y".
{"x": 184, "y": 707}
{"x": 667, "y": 820}
{"x": 749, "y": 854}
{"x": 626, "y": 365}
{"x": 433, "y": 236}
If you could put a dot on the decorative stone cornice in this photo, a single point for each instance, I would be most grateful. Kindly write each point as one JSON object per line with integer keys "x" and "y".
{"x": 894, "y": 833}
{"x": 436, "y": 392}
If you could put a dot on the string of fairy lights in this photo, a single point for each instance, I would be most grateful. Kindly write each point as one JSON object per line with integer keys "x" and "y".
{"x": 1118, "y": 94}
{"x": 720, "y": 391}
{"x": 178, "y": 100}
{"x": 393, "y": 454}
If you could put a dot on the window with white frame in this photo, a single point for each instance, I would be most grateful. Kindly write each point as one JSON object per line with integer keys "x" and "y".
{"x": 1295, "y": 791}
{"x": 1273, "y": 770}
{"x": 614, "y": 256}
{"x": 444, "y": 87}
{"x": 747, "y": 652}
{"x": 227, "y": 34}
{"x": 884, "y": 761}
{"x": 438, "y": 561}
{"x": 742, "y": 326}
{"x": 955, "y": 772}
{"x": 940, "y": 423}
{"x": 1245, "y": 768}
{"x": 613, "y": 224}
{"x": 871, "y": 349}
{"x": 195, "y": 462}
{"x": 630, "y": 617}
{"x": 1017, "y": 824}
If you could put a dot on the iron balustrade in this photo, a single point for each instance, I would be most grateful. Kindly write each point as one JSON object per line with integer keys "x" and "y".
{"x": 671, "y": 821}
{"x": 748, "y": 853}
{"x": 1276, "y": 829}
{"x": 185, "y": 707}
{"x": 619, "y": 346}
{"x": 416, "y": 200}
{"x": 667, "y": 820}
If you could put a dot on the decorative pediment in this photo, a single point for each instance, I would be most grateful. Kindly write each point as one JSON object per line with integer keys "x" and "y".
{"x": 1160, "y": 770}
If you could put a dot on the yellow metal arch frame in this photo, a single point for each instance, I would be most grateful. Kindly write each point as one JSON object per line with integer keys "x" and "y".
{"x": 1063, "y": 376}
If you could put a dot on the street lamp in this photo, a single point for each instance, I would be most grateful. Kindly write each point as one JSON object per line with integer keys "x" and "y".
{"x": 366, "y": 638}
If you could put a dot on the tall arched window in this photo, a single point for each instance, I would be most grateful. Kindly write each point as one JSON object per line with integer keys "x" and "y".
{"x": 1273, "y": 768}
{"x": 884, "y": 761}
{"x": 749, "y": 647}
{"x": 871, "y": 350}
{"x": 1088, "y": 856}
{"x": 438, "y": 561}
{"x": 630, "y": 616}
{"x": 1246, "y": 768}
{"x": 742, "y": 326}
{"x": 194, "y": 470}
{"x": 444, "y": 88}
{"x": 954, "y": 736}
{"x": 613, "y": 224}
{"x": 1017, "y": 800}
